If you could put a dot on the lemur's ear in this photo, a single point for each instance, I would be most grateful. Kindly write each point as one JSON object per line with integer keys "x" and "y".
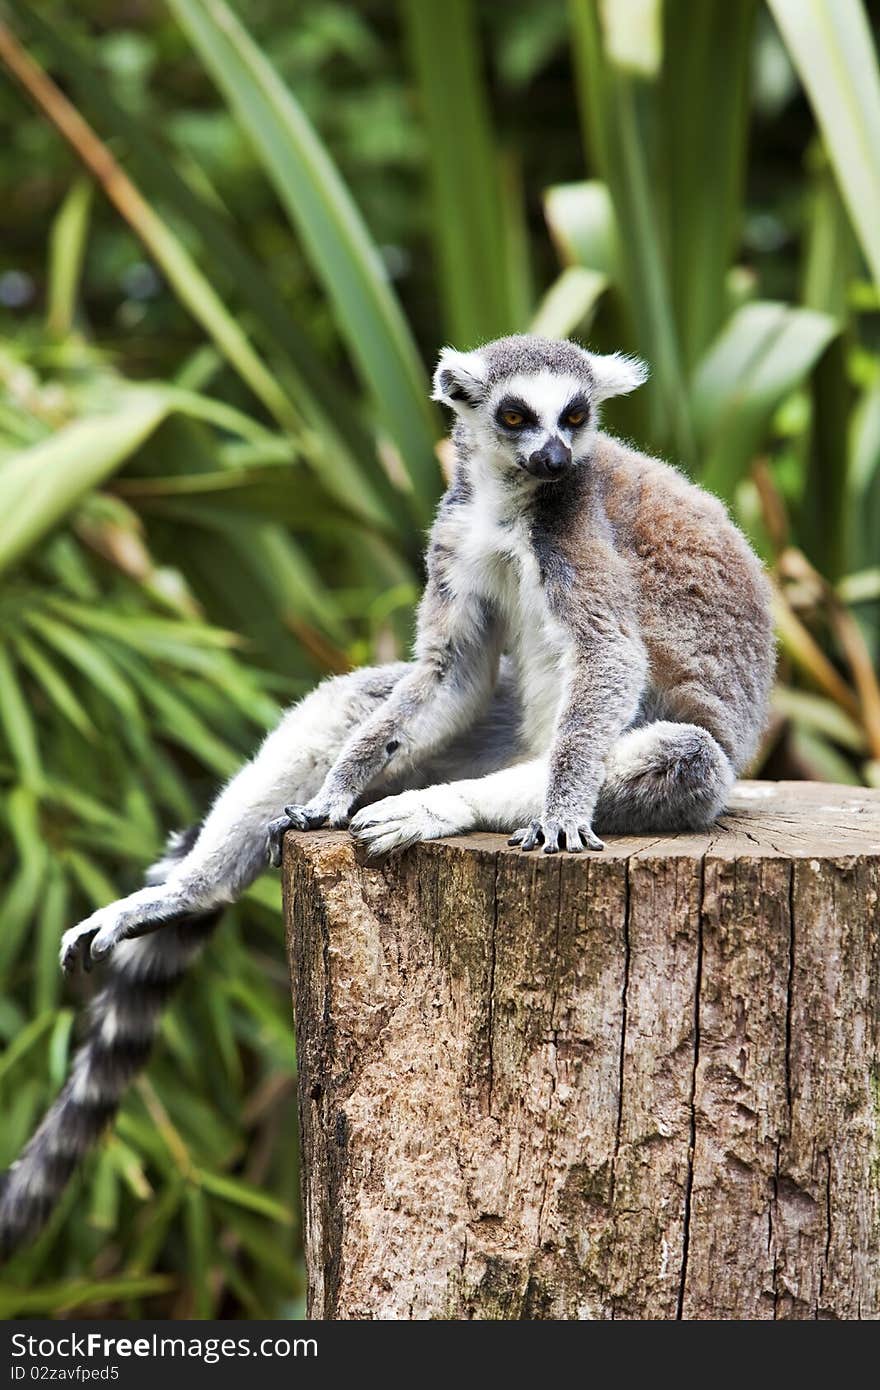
{"x": 459, "y": 379}
{"x": 616, "y": 374}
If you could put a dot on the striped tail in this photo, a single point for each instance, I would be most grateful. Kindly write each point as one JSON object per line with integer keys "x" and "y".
{"x": 124, "y": 1020}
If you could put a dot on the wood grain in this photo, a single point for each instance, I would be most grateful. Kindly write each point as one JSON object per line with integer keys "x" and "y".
{"x": 637, "y": 1084}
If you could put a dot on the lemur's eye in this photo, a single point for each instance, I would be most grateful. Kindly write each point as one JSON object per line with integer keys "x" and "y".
{"x": 575, "y": 418}
{"x": 513, "y": 418}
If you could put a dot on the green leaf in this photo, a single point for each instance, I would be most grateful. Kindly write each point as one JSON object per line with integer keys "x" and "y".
{"x": 701, "y": 122}
{"x": 39, "y": 486}
{"x": 244, "y": 1195}
{"x": 77, "y": 1293}
{"x": 616, "y": 137}
{"x": 820, "y": 714}
{"x": 51, "y": 923}
{"x": 569, "y": 301}
{"x": 863, "y": 479}
{"x": 17, "y": 723}
{"x": 581, "y": 220}
{"x": 27, "y": 1038}
{"x": 468, "y": 225}
{"x": 53, "y": 683}
{"x": 197, "y": 1223}
{"x": 89, "y": 658}
{"x": 59, "y": 1045}
{"x": 67, "y": 246}
{"x": 761, "y": 355}
{"x": 332, "y": 231}
{"x": 831, "y": 46}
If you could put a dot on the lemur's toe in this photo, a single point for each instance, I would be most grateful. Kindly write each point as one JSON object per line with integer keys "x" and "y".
{"x": 305, "y": 817}
{"x": 275, "y": 832}
{"x": 528, "y": 836}
{"x": 76, "y": 948}
{"x": 590, "y": 839}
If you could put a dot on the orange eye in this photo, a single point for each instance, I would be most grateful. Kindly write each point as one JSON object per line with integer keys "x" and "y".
{"x": 512, "y": 418}
{"x": 575, "y": 418}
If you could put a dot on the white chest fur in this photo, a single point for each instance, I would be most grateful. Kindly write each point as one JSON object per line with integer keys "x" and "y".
{"x": 494, "y": 558}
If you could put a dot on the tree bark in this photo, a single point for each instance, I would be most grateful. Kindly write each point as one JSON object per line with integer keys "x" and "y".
{"x": 636, "y": 1084}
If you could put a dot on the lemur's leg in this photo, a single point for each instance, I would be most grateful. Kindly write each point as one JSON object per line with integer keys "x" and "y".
{"x": 660, "y": 777}
{"x": 231, "y": 847}
{"x": 665, "y": 777}
{"x": 496, "y": 802}
{"x": 447, "y": 688}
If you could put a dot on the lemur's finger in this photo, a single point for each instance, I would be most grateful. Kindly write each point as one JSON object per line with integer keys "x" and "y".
{"x": 275, "y": 832}
{"x": 533, "y": 835}
{"x": 573, "y": 842}
{"x": 109, "y": 937}
{"x": 76, "y": 948}
{"x": 552, "y": 832}
{"x": 590, "y": 839}
{"x": 304, "y": 818}
{"x": 383, "y": 844}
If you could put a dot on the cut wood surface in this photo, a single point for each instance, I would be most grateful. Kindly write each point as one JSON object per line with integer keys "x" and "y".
{"x": 643, "y": 1083}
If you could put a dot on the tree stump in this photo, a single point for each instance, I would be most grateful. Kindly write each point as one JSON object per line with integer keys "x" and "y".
{"x": 637, "y": 1084}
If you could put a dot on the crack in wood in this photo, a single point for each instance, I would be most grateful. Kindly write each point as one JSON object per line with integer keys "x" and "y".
{"x": 692, "y": 1145}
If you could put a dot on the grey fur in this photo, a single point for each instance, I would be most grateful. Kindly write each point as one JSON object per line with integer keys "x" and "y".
{"x": 594, "y": 652}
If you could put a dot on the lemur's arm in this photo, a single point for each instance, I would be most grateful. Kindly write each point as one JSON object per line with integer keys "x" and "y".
{"x": 605, "y": 684}
{"x": 457, "y": 651}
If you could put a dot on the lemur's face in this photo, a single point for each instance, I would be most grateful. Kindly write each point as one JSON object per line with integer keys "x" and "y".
{"x": 530, "y": 403}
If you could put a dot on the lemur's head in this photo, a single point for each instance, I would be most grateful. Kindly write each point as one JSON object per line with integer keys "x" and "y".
{"x": 531, "y": 403}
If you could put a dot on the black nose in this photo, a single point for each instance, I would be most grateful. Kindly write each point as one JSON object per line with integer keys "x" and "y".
{"x": 551, "y": 460}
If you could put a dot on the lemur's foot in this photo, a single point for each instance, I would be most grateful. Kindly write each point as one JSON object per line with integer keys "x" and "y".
{"x": 574, "y": 836}
{"x": 95, "y": 937}
{"x": 309, "y": 817}
{"x": 396, "y": 822}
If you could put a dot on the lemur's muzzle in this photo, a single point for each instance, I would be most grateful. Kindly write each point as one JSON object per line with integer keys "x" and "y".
{"x": 550, "y": 461}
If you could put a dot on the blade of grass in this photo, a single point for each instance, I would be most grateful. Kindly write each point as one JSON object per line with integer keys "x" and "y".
{"x": 67, "y": 247}
{"x": 608, "y": 100}
{"x": 332, "y": 231}
{"x": 569, "y": 301}
{"x": 467, "y": 225}
{"x": 47, "y": 675}
{"x": 18, "y": 725}
{"x": 706, "y": 64}
{"x": 39, "y": 486}
{"x": 831, "y": 265}
{"x": 764, "y": 351}
{"x": 832, "y": 48}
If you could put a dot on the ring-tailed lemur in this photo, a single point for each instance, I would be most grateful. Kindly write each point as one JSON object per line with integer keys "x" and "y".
{"x": 594, "y": 651}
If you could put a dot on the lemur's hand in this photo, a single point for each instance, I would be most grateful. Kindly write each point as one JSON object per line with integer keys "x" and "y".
{"x": 321, "y": 810}
{"x": 574, "y": 836}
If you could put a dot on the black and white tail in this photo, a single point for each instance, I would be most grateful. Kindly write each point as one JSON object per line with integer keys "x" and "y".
{"x": 124, "y": 1019}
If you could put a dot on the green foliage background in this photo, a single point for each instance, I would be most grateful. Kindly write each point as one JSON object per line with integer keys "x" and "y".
{"x": 217, "y": 458}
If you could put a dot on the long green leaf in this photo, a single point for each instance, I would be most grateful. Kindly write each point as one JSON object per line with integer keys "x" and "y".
{"x": 17, "y": 723}
{"x": 581, "y": 220}
{"x": 39, "y": 486}
{"x": 702, "y": 113}
{"x": 831, "y": 266}
{"x": 831, "y": 46}
{"x": 609, "y": 100}
{"x": 332, "y": 230}
{"x": 761, "y": 355}
{"x": 67, "y": 245}
{"x": 47, "y": 675}
{"x": 78, "y": 1293}
{"x": 468, "y": 223}
{"x": 569, "y": 301}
